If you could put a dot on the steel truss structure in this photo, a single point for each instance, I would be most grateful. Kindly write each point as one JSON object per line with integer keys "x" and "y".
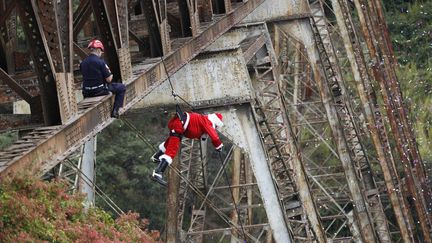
{"x": 325, "y": 107}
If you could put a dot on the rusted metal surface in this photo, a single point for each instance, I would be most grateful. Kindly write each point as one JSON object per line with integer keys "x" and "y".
{"x": 81, "y": 16}
{"x": 172, "y": 205}
{"x": 384, "y": 74}
{"x": 67, "y": 139}
{"x": 15, "y": 86}
{"x": 350, "y": 128}
{"x": 330, "y": 94}
{"x": 148, "y": 7}
{"x": 44, "y": 66}
{"x": 374, "y": 118}
{"x": 13, "y": 121}
{"x": 107, "y": 36}
{"x": 282, "y": 150}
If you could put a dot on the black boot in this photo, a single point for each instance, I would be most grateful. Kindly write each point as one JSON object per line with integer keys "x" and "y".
{"x": 155, "y": 157}
{"x": 115, "y": 112}
{"x": 157, "y": 174}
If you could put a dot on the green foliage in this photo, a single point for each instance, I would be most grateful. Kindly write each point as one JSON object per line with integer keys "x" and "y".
{"x": 123, "y": 167}
{"x": 7, "y": 138}
{"x": 36, "y": 211}
{"x": 411, "y": 32}
{"x": 410, "y": 24}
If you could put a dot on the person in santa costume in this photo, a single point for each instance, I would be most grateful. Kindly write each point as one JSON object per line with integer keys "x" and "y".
{"x": 190, "y": 125}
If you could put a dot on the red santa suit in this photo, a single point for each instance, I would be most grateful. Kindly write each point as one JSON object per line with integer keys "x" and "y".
{"x": 195, "y": 126}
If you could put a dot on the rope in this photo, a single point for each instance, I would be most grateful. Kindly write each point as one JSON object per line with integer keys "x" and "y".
{"x": 99, "y": 191}
{"x": 102, "y": 194}
{"x": 173, "y": 93}
{"x": 199, "y": 193}
{"x": 232, "y": 195}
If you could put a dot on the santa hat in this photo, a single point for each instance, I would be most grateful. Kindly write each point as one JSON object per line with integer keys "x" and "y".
{"x": 216, "y": 119}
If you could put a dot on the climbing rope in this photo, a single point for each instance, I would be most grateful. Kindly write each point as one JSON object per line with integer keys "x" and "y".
{"x": 102, "y": 194}
{"x": 232, "y": 195}
{"x": 173, "y": 93}
{"x": 98, "y": 191}
{"x": 198, "y": 191}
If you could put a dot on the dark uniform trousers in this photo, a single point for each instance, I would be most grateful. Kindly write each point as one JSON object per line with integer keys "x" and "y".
{"x": 118, "y": 89}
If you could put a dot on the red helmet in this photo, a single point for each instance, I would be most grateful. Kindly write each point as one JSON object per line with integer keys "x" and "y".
{"x": 96, "y": 44}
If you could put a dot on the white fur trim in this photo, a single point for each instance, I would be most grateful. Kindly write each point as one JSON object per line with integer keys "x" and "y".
{"x": 166, "y": 157}
{"x": 162, "y": 147}
{"x": 220, "y": 146}
{"x": 186, "y": 122}
{"x": 216, "y": 122}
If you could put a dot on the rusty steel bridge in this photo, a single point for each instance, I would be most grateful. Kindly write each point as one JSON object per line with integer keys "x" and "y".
{"x": 322, "y": 147}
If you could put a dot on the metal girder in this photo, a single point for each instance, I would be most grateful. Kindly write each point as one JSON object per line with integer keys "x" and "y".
{"x": 242, "y": 129}
{"x": 108, "y": 36}
{"x": 57, "y": 27}
{"x": 374, "y": 118}
{"x": 380, "y": 52}
{"x": 15, "y": 86}
{"x": 95, "y": 117}
{"x": 336, "y": 110}
{"x": 153, "y": 22}
{"x": 350, "y": 128}
{"x": 63, "y": 10}
{"x": 193, "y": 162}
{"x": 172, "y": 206}
{"x": 205, "y": 10}
{"x": 309, "y": 122}
{"x": 42, "y": 60}
{"x": 81, "y": 16}
{"x": 185, "y": 19}
{"x": 282, "y": 150}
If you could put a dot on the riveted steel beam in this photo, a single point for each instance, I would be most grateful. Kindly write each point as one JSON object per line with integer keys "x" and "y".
{"x": 148, "y": 9}
{"x": 81, "y": 16}
{"x": 185, "y": 19}
{"x": 108, "y": 36}
{"x": 374, "y": 118}
{"x": 384, "y": 74}
{"x": 66, "y": 139}
{"x": 40, "y": 52}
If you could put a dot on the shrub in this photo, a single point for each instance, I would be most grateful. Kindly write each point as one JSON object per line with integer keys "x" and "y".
{"x": 32, "y": 210}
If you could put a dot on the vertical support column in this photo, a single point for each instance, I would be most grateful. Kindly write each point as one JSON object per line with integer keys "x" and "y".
{"x": 121, "y": 18}
{"x": 185, "y": 19}
{"x": 194, "y": 16}
{"x": 163, "y": 26}
{"x": 205, "y": 9}
{"x": 108, "y": 37}
{"x": 87, "y": 177}
{"x": 63, "y": 11}
{"x": 243, "y": 130}
{"x": 42, "y": 60}
{"x": 390, "y": 64}
{"x": 228, "y": 6}
{"x": 304, "y": 32}
{"x": 172, "y": 234}
{"x": 57, "y": 27}
{"x": 374, "y": 120}
{"x": 148, "y": 8}
{"x": 235, "y": 190}
{"x": 384, "y": 74}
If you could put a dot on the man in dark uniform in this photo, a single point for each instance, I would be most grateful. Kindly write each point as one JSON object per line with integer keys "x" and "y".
{"x": 97, "y": 77}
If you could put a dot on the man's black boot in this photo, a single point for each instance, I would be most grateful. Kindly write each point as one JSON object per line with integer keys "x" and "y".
{"x": 155, "y": 157}
{"x": 157, "y": 174}
{"x": 115, "y": 112}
